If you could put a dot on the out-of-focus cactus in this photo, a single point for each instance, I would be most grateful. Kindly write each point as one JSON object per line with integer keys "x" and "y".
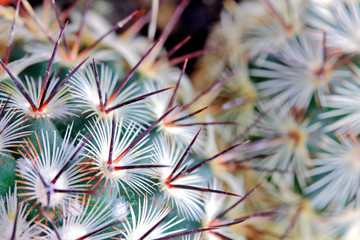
{"x": 301, "y": 59}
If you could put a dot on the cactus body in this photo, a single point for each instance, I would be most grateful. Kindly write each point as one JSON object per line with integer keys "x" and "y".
{"x": 104, "y": 137}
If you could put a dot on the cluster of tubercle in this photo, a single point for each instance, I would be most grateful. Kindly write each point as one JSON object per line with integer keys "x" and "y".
{"x": 100, "y": 154}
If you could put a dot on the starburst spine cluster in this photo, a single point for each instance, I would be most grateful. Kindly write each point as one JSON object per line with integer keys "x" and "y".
{"x": 50, "y": 173}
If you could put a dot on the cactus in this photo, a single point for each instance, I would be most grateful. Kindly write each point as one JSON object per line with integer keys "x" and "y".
{"x": 103, "y": 137}
{"x": 298, "y": 77}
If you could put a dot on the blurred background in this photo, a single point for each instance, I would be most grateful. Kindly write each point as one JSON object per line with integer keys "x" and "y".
{"x": 196, "y": 21}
